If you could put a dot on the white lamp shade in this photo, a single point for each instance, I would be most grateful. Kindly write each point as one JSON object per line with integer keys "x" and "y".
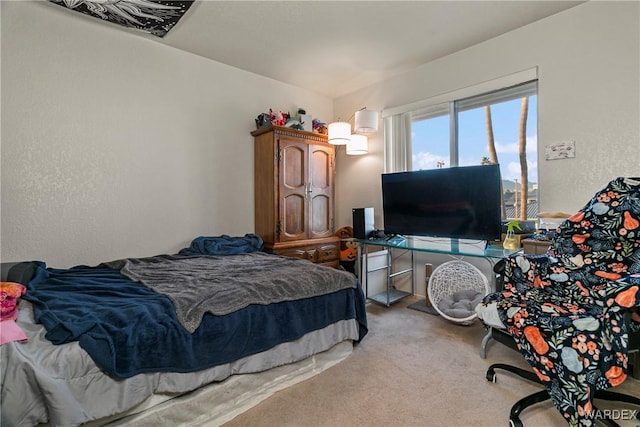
{"x": 339, "y": 133}
{"x": 357, "y": 145}
{"x": 366, "y": 121}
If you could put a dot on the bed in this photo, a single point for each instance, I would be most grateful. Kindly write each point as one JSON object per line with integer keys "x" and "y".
{"x": 171, "y": 337}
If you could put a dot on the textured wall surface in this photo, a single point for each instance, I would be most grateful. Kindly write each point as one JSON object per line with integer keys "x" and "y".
{"x": 114, "y": 145}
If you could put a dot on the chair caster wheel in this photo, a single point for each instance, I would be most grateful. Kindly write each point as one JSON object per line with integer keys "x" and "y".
{"x": 515, "y": 423}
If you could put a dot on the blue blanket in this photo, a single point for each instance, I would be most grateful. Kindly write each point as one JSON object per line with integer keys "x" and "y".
{"x": 129, "y": 329}
{"x": 224, "y": 245}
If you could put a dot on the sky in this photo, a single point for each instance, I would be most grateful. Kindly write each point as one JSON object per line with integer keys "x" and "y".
{"x": 431, "y": 139}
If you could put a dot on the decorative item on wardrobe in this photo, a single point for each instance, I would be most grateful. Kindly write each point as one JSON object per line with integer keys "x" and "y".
{"x": 365, "y": 121}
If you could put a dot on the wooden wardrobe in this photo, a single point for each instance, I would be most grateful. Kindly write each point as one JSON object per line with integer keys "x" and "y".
{"x": 294, "y": 194}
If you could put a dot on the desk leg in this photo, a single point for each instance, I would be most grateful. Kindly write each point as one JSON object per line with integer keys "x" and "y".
{"x": 358, "y": 266}
{"x": 389, "y": 274}
{"x": 364, "y": 266}
{"x": 483, "y": 344}
{"x": 413, "y": 271}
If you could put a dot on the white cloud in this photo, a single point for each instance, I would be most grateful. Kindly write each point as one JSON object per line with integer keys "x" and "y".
{"x": 512, "y": 148}
{"x": 513, "y": 171}
{"x": 426, "y": 160}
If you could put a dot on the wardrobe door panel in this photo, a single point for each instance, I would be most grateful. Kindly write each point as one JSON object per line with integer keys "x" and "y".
{"x": 294, "y": 171}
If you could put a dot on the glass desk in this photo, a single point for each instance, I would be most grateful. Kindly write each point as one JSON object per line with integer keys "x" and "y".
{"x": 453, "y": 247}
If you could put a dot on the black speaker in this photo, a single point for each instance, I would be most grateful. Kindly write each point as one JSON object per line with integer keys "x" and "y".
{"x": 363, "y": 224}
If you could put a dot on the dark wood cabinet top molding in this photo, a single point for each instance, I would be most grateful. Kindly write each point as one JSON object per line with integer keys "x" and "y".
{"x": 283, "y": 130}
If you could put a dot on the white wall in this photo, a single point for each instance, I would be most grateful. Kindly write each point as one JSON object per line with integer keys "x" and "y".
{"x": 588, "y": 60}
{"x": 588, "y": 66}
{"x": 114, "y": 145}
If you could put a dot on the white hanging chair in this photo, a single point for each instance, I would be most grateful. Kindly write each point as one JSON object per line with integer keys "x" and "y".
{"x": 455, "y": 288}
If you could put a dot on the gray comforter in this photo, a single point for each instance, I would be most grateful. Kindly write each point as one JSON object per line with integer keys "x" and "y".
{"x": 221, "y": 285}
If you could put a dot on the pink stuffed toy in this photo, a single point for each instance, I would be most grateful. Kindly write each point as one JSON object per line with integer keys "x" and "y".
{"x": 9, "y": 294}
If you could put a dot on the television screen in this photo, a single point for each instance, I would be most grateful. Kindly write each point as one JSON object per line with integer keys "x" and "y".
{"x": 458, "y": 202}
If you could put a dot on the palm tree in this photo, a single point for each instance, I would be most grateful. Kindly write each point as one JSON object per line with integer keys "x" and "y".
{"x": 522, "y": 151}
{"x": 493, "y": 154}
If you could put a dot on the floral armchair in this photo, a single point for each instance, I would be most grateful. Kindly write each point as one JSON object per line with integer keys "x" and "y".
{"x": 570, "y": 311}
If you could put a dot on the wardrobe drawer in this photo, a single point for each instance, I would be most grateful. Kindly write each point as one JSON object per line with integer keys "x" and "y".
{"x": 327, "y": 253}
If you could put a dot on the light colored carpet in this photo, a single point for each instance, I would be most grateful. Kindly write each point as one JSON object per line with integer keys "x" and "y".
{"x": 412, "y": 369}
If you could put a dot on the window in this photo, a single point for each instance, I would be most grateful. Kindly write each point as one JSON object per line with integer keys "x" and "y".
{"x": 495, "y": 127}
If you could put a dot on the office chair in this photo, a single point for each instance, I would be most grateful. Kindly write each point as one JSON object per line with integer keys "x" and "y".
{"x": 574, "y": 312}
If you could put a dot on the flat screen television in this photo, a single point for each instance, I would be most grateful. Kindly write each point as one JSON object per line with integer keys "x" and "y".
{"x": 458, "y": 202}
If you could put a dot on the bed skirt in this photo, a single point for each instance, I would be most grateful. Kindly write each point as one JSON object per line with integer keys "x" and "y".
{"x": 218, "y": 403}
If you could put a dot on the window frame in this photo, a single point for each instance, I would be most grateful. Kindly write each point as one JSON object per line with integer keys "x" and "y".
{"x": 398, "y": 146}
{"x": 454, "y": 107}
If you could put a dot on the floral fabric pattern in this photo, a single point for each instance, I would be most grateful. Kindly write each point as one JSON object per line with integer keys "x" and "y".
{"x": 565, "y": 309}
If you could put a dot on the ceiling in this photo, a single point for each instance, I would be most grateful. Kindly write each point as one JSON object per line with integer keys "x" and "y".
{"x": 337, "y": 47}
